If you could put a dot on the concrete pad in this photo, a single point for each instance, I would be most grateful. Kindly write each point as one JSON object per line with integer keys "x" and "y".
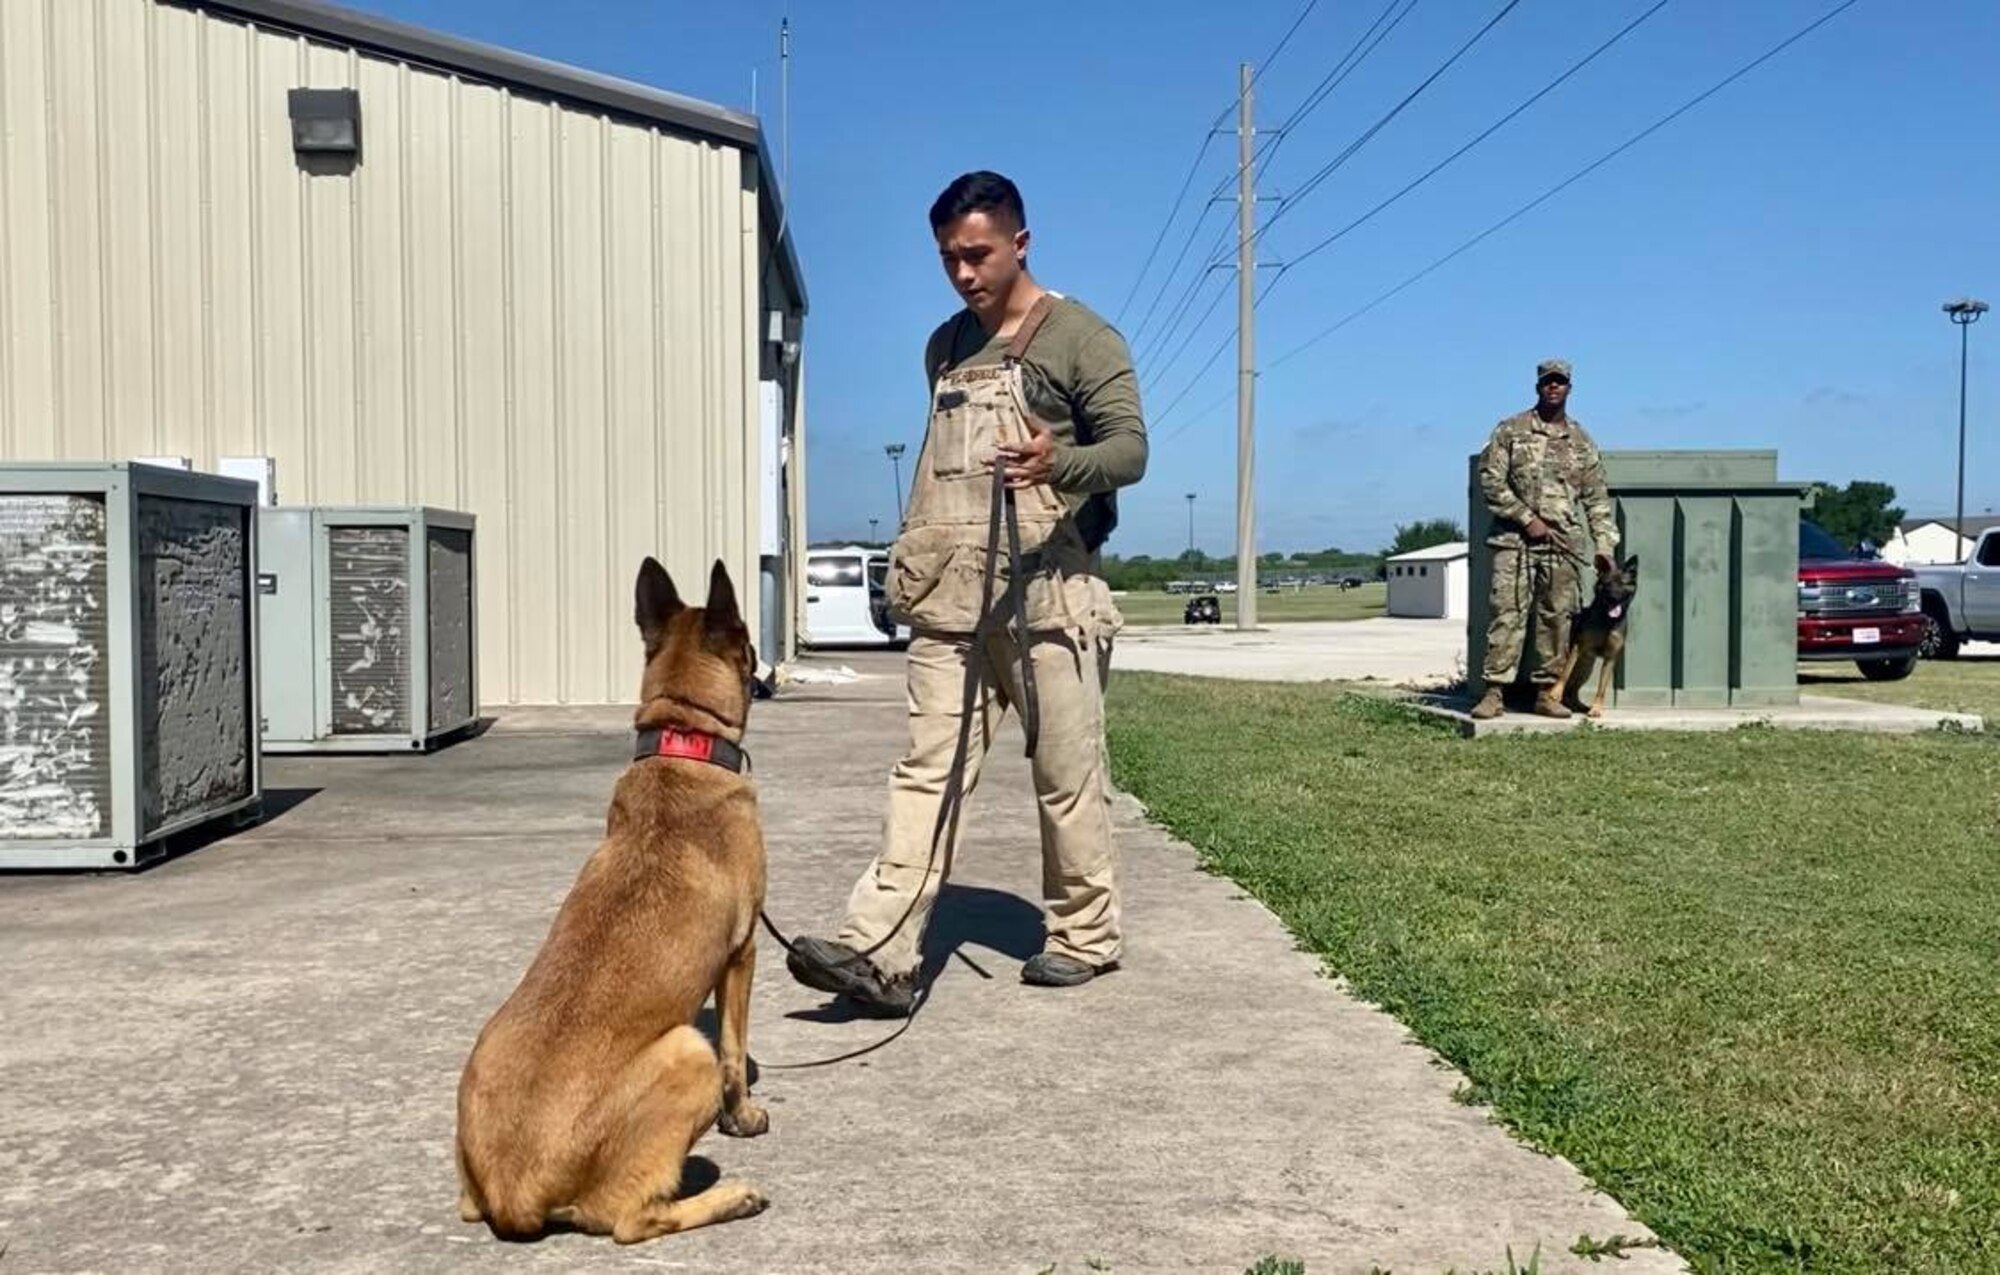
{"x": 245, "y": 1059}
{"x": 1405, "y": 652}
{"x": 1812, "y": 712}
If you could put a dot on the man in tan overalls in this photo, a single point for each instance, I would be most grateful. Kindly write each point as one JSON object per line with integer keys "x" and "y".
{"x": 1042, "y": 388}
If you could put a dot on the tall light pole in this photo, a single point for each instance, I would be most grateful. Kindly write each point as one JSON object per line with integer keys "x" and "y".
{"x": 1964, "y": 312}
{"x": 1190, "y": 500}
{"x": 895, "y": 451}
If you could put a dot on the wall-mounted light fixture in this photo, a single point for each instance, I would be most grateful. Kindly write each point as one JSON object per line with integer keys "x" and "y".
{"x": 326, "y": 121}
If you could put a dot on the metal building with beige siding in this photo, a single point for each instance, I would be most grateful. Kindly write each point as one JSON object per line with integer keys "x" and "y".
{"x": 555, "y": 300}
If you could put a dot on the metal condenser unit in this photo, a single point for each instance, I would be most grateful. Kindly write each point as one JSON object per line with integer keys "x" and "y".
{"x": 369, "y": 631}
{"x": 128, "y": 661}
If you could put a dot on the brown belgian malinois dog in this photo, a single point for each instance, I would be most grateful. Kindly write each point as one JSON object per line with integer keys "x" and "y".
{"x": 588, "y": 1087}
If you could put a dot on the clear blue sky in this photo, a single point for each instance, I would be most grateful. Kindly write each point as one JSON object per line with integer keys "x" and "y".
{"x": 1765, "y": 272}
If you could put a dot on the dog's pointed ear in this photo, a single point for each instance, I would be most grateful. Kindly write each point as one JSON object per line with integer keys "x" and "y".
{"x": 656, "y": 602}
{"x": 720, "y": 613}
{"x": 1632, "y": 564}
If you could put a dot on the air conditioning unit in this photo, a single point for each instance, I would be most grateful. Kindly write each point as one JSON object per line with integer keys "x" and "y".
{"x": 128, "y": 661}
{"x": 369, "y": 627}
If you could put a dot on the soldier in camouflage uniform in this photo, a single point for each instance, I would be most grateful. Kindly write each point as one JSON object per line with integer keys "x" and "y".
{"x": 1543, "y": 480}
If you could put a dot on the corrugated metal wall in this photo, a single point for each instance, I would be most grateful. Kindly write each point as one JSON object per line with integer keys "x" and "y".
{"x": 512, "y": 307}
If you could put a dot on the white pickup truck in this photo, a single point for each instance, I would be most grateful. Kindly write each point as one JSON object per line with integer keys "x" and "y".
{"x": 1962, "y": 600}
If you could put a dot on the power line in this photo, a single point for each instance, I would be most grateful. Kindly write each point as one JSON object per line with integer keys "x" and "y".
{"x": 1278, "y": 48}
{"x": 1188, "y": 389}
{"x": 1201, "y": 414}
{"x": 1363, "y": 48}
{"x": 1354, "y": 147}
{"x": 1518, "y": 213}
{"x": 1576, "y": 177}
{"x": 1356, "y": 54}
{"x": 1186, "y": 297}
{"x": 1208, "y": 136}
{"x": 1192, "y": 333}
{"x": 1348, "y": 64}
{"x": 1313, "y": 183}
{"x": 1495, "y": 127}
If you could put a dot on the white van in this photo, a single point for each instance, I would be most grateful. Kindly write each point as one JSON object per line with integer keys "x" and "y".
{"x": 845, "y": 602}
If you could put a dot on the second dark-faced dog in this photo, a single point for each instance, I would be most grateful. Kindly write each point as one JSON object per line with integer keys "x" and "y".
{"x": 1597, "y": 635}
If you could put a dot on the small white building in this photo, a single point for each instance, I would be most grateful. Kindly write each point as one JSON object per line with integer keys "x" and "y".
{"x": 1922, "y": 542}
{"x": 1430, "y": 584}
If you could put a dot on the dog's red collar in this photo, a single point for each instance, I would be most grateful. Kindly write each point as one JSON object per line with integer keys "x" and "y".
{"x": 693, "y": 745}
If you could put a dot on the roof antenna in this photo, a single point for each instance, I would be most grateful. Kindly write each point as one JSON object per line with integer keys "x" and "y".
{"x": 785, "y": 101}
{"x": 785, "y": 128}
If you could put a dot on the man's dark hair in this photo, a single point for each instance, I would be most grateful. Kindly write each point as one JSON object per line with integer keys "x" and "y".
{"x": 978, "y": 192}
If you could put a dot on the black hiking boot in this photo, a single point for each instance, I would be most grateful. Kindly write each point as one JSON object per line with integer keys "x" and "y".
{"x": 839, "y": 970}
{"x": 1054, "y": 969}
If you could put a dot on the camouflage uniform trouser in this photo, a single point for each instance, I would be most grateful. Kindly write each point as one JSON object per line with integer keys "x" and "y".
{"x": 1538, "y": 584}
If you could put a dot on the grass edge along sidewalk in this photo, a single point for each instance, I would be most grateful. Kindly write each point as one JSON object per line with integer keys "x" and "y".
{"x": 1152, "y": 608}
{"x": 1749, "y": 984}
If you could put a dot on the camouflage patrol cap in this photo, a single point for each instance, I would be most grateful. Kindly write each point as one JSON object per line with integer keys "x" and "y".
{"x": 1551, "y": 367}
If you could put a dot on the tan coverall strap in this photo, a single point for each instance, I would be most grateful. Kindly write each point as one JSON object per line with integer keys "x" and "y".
{"x": 1031, "y": 323}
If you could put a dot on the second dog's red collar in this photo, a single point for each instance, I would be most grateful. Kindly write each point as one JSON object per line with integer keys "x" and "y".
{"x": 693, "y": 745}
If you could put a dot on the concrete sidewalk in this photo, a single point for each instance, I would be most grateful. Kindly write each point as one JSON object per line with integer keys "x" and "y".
{"x": 246, "y": 1059}
{"x": 1406, "y": 652}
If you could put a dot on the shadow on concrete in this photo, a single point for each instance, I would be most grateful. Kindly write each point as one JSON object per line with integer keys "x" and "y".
{"x": 994, "y": 919}
{"x": 279, "y": 802}
{"x": 964, "y": 916}
{"x": 480, "y": 725}
{"x": 172, "y": 850}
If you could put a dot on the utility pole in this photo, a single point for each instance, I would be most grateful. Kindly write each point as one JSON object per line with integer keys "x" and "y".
{"x": 1246, "y": 365}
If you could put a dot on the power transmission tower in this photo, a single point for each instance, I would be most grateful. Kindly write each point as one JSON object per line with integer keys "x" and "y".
{"x": 1246, "y": 365}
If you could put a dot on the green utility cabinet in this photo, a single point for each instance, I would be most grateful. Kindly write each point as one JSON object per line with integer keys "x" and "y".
{"x": 1715, "y": 622}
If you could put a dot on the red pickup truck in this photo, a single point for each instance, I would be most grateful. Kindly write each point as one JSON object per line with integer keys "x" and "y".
{"x": 1854, "y": 608}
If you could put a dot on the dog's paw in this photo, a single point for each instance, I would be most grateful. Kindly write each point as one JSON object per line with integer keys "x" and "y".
{"x": 747, "y": 1201}
{"x": 1597, "y": 711}
{"x": 747, "y": 1121}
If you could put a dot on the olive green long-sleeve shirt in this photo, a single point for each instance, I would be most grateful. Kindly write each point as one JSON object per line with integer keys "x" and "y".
{"x": 1079, "y": 380}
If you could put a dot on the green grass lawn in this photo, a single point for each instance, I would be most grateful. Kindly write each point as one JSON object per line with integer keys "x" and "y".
{"x": 1749, "y": 983}
{"x": 1321, "y": 602}
{"x": 1970, "y": 684}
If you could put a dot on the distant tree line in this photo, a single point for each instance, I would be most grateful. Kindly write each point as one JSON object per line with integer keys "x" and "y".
{"x": 1142, "y": 571}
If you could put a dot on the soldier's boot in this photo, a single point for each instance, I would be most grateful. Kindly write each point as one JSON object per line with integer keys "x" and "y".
{"x": 1488, "y": 706}
{"x": 1549, "y": 703}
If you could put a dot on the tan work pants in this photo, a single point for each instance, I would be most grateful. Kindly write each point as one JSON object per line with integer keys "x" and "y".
{"x": 1079, "y": 869}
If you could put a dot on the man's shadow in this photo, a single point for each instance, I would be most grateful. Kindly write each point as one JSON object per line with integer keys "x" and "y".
{"x": 965, "y": 916}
